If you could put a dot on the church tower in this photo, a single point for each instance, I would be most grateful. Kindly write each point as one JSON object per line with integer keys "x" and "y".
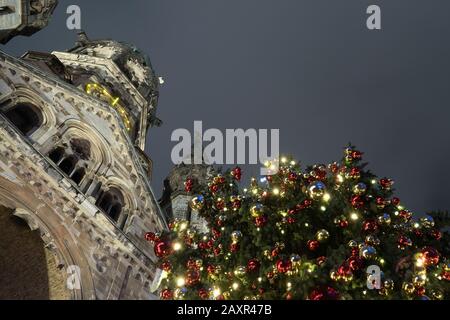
{"x": 73, "y": 127}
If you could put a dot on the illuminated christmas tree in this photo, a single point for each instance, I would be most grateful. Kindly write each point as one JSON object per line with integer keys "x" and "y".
{"x": 313, "y": 234}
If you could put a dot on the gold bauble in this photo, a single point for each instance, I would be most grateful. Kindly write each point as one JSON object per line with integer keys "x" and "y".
{"x": 352, "y": 244}
{"x": 316, "y": 189}
{"x": 419, "y": 280}
{"x": 236, "y": 236}
{"x": 408, "y": 288}
{"x": 367, "y": 252}
{"x": 199, "y": 263}
{"x": 372, "y": 240}
{"x": 360, "y": 189}
{"x": 322, "y": 235}
{"x": 257, "y": 210}
{"x": 197, "y": 203}
{"x": 389, "y": 284}
{"x": 437, "y": 295}
{"x": 385, "y": 219}
{"x": 240, "y": 271}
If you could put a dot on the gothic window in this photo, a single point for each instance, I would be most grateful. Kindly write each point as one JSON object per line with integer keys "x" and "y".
{"x": 111, "y": 202}
{"x": 25, "y": 117}
{"x": 57, "y": 155}
{"x": 68, "y": 165}
{"x": 78, "y": 175}
{"x": 73, "y": 158}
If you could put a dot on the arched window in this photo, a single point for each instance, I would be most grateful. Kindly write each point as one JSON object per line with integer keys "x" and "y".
{"x": 111, "y": 202}
{"x": 68, "y": 165}
{"x": 73, "y": 158}
{"x": 78, "y": 175}
{"x": 25, "y": 117}
{"x": 56, "y": 155}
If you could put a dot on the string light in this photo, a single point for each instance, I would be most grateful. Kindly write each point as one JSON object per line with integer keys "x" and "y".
{"x": 177, "y": 246}
{"x": 354, "y": 216}
{"x": 326, "y": 197}
{"x": 235, "y": 286}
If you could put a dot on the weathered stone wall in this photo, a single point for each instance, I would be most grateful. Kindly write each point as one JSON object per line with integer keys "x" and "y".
{"x": 27, "y": 269}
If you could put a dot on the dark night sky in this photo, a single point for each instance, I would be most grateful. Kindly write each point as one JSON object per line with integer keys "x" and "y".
{"x": 310, "y": 68}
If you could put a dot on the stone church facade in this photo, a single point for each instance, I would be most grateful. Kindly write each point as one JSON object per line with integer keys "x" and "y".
{"x": 75, "y": 198}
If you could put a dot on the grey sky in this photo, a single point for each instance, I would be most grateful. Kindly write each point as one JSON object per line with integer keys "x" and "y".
{"x": 310, "y": 68}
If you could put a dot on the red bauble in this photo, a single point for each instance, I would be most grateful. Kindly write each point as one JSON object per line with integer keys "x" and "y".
{"x": 405, "y": 214}
{"x": 436, "y": 234}
{"x": 290, "y": 220}
{"x": 191, "y": 264}
{"x": 380, "y": 202}
{"x": 386, "y": 183}
{"x": 203, "y": 245}
{"x": 211, "y": 269}
{"x": 260, "y": 221}
{"x": 161, "y": 249}
{"x": 431, "y": 256}
{"x": 236, "y": 173}
{"x": 234, "y": 247}
{"x": 236, "y": 204}
{"x": 150, "y": 236}
{"x": 253, "y": 265}
{"x": 313, "y": 245}
{"x": 355, "y": 263}
{"x": 192, "y": 278}
{"x": 343, "y": 224}
{"x": 188, "y": 185}
{"x": 216, "y": 233}
{"x": 404, "y": 242}
{"x": 420, "y": 291}
{"x": 356, "y": 155}
{"x": 214, "y": 188}
{"x": 166, "y": 266}
{"x": 321, "y": 260}
{"x": 166, "y": 294}
{"x": 344, "y": 270}
{"x": 316, "y": 295}
{"x": 395, "y": 201}
{"x": 220, "y": 204}
{"x": 217, "y": 251}
{"x": 307, "y": 203}
{"x": 292, "y": 177}
{"x": 274, "y": 252}
{"x": 203, "y": 294}
{"x": 357, "y": 202}
{"x": 354, "y": 173}
{"x": 370, "y": 226}
{"x": 284, "y": 266}
{"x": 327, "y": 293}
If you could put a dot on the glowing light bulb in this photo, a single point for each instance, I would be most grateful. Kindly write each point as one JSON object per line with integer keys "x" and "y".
{"x": 180, "y": 282}
{"x": 326, "y": 197}
{"x": 276, "y": 191}
{"x": 177, "y": 246}
{"x": 216, "y": 292}
{"x": 354, "y": 216}
{"x": 235, "y": 286}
